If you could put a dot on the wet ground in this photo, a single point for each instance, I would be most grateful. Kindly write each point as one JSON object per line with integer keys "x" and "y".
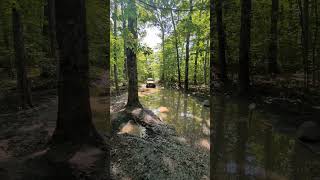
{"x": 252, "y": 144}
{"x": 248, "y": 143}
{"x": 175, "y": 148}
{"x": 182, "y": 111}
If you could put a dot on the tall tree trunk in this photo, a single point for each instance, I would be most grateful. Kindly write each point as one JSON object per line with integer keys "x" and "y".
{"x": 222, "y": 42}
{"x": 115, "y": 47}
{"x": 124, "y": 27}
{"x": 52, "y": 28}
{"x": 195, "y": 67}
{"x": 5, "y": 35}
{"x": 315, "y": 41}
{"x": 244, "y": 49}
{"x": 186, "y": 81}
{"x": 7, "y": 47}
{"x": 177, "y": 50}
{"x": 45, "y": 26}
{"x": 306, "y": 41}
{"x": 206, "y": 52}
{"x": 23, "y": 85}
{"x": 304, "y": 22}
{"x": 49, "y": 37}
{"x": 211, "y": 50}
{"x": 133, "y": 98}
{"x": 74, "y": 122}
{"x": 163, "y": 55}
{"x": 52, "y": 34}
{"x": 115, "y": 74}
{"x": 108, "y": 74}
{"x": 273, "y": 47}
{"x": 205, "y": 68}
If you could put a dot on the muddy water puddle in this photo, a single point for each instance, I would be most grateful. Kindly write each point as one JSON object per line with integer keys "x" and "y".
{"x": 246, "y": 142}
{"x": 186, "y": 114}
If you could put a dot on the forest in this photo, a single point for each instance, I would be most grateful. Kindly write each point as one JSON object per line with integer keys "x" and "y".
{"x": 159, "y": 89}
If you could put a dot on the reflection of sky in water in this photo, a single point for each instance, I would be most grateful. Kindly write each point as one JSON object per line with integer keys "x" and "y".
{"x": 186, "y": 114}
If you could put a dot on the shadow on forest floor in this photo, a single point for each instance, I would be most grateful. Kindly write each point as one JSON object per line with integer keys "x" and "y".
{"x": 24, "y": 137}
{"x": 24, "y": 152}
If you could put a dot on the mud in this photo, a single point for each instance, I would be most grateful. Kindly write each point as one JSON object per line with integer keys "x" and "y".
{"x": 156, "y": 154}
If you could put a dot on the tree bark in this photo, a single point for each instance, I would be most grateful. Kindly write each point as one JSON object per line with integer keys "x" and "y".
{"x": 7, "y": 47}
{"x": 211, "y": 50}
{"x": 205, "y": 68}
{"x": 195, "y": 67}
{"x": 52, "y": 34}
{"x": 107, "y": 86}
{"x": 23, "y": 85}
{"x": 273, "y": 47}
{"x": 124, "y": 27}
{"x": 52, "y": 28}
{"x": 163, "y": 55}
{"x": 133, "y": 98}
{"x": 222, "y": 42}
{"x": 305, "y": 42}
{"x": 115, "y": 74}
{"x": 177, "y": 50}
{"x": 315, "y": 40}
{"x": 186, "y": 81}
{"x": 304, "y": 22}
{"x": 244, "y": 49}
{"x": 5, "y": 35}
{"x": 115, "y": 48}
{"x": 205, "y": 61}
{"x": 74, "y": 122}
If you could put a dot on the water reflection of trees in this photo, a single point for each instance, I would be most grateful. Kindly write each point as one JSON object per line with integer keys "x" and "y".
{"x": 244, "y": 146}
{"x": 242, "y": 139}
{"x": 217, "y": 138}
{"x": 268, "y": 150}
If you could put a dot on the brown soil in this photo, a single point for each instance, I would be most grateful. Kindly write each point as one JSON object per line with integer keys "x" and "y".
{"x": 24, "y": 152}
